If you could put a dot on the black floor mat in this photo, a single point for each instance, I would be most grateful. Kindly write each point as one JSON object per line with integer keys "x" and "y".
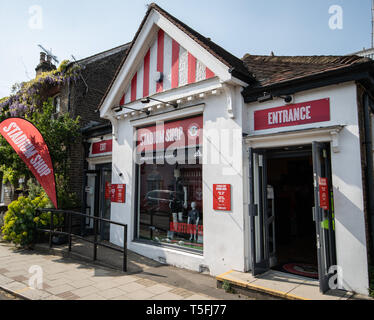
{"x": 300, "y": 269}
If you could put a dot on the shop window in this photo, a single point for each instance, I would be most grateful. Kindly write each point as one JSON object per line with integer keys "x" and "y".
{"x": 170, "y": 205}
{"x": 169, "y": 195}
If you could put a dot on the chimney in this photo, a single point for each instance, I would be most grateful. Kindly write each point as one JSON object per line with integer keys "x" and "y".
{"x": 45, "y": 64}
{"x": 42, "y": 57}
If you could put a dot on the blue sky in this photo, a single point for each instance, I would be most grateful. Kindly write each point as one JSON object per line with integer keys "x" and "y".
{"x": 86, "y": 27}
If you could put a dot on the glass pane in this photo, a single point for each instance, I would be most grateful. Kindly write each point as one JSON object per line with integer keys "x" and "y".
{"x": 171, "y": 205}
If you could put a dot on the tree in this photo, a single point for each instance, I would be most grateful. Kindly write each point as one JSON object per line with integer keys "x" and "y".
{"x": 59, "y": 133}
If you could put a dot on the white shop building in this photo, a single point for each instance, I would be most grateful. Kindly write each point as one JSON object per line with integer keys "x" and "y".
{"x": 238, "y": 163}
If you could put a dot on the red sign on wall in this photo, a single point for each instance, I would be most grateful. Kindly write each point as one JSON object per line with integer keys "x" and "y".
{"x": 181, "y": 133}
{"x": 323, "y": 194}
{"x": 102, "y": 147}
{"x": 118, "y": 193}
{"x": 222, "y": 197}
{"x": 293, "y": 115}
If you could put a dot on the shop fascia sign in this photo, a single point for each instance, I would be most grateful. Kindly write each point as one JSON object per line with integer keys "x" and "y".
{"x": 101, "y": 148}
{"x": 177, "y": 134}
{"x": 293, "y": 115}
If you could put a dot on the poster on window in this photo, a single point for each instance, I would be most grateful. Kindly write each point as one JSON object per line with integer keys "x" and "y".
{"x": 108, "y": 188}
{"x": 323, "y": 194}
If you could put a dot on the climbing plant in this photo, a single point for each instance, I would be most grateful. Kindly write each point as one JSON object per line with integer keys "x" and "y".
{"x": 29, "y": 100}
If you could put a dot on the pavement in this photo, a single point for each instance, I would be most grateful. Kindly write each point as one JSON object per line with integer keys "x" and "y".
{"x": 6, "y": 296}
{"x": 284, "y": 286}
{"x": 69, "y": 277}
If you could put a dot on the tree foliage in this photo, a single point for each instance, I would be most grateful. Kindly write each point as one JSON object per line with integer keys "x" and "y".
{"x": 31, "y": 103}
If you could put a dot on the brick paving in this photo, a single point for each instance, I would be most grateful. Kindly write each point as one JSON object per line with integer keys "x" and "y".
{"x": 68, "y": 279}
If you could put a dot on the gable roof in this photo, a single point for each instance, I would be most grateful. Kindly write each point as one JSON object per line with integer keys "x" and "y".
{"x": 97, "y": 71}
{"x": 221, "y": 54}
{"x": 235, "y": 65}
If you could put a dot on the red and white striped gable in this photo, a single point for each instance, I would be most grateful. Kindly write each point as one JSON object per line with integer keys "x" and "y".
{"x": 178, "y": 66}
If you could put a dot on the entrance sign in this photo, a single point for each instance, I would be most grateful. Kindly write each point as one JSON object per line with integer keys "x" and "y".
{"x": 30, "y": 146}
{"x": 222, "y": 197}
{"x": 118, "y": 194}
{"x": 323, "y": 194}
{"x": 293, "y": 115}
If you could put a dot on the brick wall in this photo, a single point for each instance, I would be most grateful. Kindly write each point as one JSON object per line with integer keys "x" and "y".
{"x": 81, "y": 102}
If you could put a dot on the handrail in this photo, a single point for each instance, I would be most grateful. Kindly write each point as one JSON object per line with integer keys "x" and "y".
{"x": 70, "y": 213}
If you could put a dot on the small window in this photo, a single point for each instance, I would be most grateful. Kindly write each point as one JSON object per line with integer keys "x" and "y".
{"x": 57, "y": 103}
{"x": 1, "y": 192}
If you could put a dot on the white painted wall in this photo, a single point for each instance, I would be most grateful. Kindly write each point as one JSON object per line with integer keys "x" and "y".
{"x": 223, "y": 231}
{"x": 346, "y": 176}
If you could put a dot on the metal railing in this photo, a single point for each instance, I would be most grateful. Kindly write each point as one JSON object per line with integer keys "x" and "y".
{"x": 70, "y": 234}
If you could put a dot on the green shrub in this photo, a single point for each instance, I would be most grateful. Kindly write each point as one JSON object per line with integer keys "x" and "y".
{"x": 20, "y": 220}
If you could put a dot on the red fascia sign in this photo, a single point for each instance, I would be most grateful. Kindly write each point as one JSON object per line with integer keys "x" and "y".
{"x": 222, "y": 197}
{"x": 118, "y": 193}
{"x": 323, "y": 193}
{"x": 102, "y": 147}
{"x": 30, "y": 146}
{"x": 178, "y": 134}
{"x": 293, "y": 115}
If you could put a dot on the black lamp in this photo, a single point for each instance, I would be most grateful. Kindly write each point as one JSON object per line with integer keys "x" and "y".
{"x": 119, "y": 109}
{"x": 148, "y": 100}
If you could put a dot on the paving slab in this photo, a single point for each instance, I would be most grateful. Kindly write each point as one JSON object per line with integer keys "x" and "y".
{"x": 282, "y": 285}
{"x": 70, "y": 278}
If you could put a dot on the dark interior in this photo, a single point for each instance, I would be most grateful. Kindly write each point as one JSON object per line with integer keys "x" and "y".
{"x": 292, "y": 179}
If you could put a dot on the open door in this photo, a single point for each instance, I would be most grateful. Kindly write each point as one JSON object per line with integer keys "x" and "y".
{"x": 105, "y": 200}
{"x": 323, "y": 213}
{"x": 261, "y": 218}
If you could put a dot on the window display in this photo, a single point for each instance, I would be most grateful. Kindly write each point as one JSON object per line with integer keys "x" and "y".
{"x": 170, "y": 204}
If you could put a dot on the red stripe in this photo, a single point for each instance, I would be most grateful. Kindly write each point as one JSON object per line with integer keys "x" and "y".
{"x": 160, "y": 57}
{"x": 147, "y": 61}
{"x": 209, "y": 73}
{"x": 122, "y": 100}
{"x": 191, "y": 68}
{"x": 133, "y": 87}
{"x": 175, "y": 65}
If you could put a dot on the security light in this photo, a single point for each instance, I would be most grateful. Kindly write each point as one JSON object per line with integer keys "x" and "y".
{"x": 148, "y": 100}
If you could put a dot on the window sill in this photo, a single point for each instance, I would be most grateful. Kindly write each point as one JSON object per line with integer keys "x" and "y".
{"x": 167, "y": 246}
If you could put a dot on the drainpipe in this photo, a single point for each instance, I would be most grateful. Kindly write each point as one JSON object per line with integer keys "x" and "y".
{"x": 86, "y": 147}
{"x": 369, "y": 172}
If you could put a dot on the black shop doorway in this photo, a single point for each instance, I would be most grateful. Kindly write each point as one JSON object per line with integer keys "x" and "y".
{"x": 291, "y": 211}
{"x": 290, "y": 177}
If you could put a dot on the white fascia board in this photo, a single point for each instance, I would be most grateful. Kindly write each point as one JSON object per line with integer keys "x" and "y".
{"x": 134, "y": 58}
{"x": 184, "y": 92}
{"x": 294, "y": 138}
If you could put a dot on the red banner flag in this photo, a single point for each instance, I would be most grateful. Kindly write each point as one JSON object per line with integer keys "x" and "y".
{"x": 29, "y": 144}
